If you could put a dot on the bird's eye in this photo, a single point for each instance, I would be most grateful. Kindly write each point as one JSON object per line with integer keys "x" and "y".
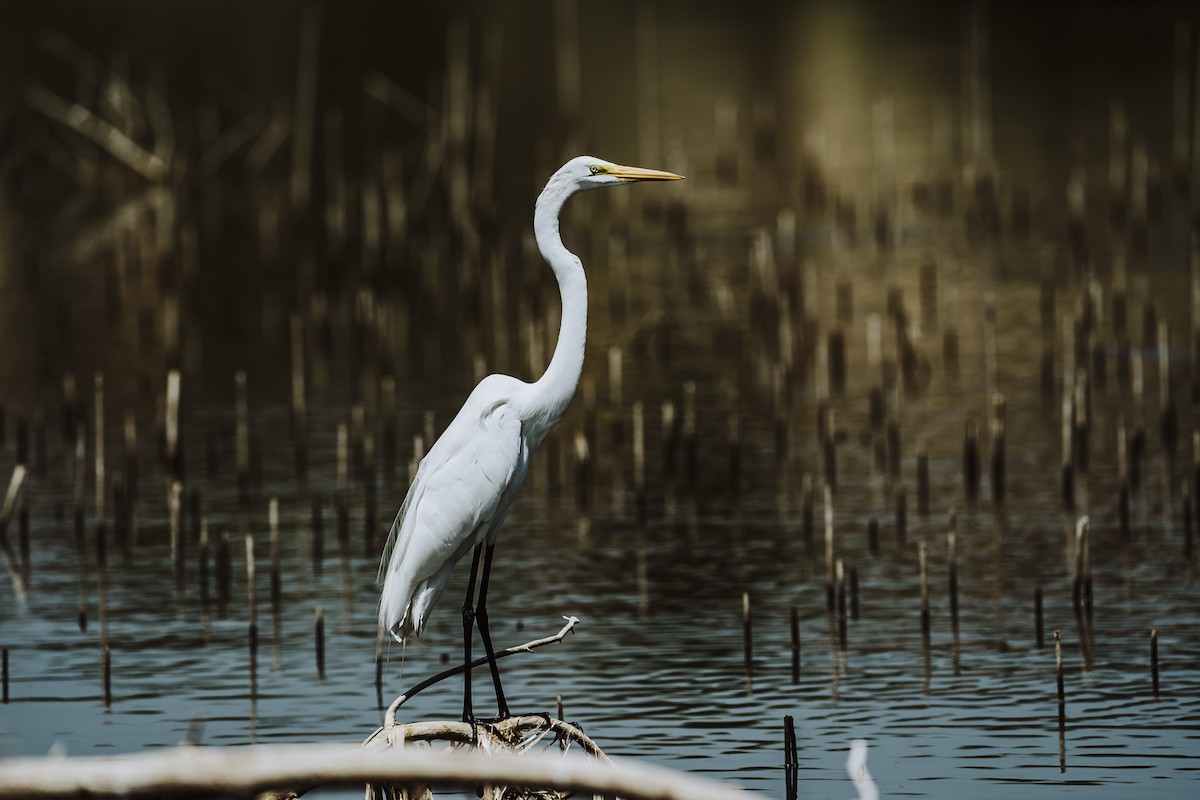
{"x": 597, "y": 169}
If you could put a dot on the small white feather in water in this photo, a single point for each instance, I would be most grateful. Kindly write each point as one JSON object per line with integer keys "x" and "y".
{"x": 856, "y": 768}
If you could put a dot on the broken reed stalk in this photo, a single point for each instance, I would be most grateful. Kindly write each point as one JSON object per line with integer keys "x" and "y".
{"x": 242, "y": 436}
{"x": 794, "y": 620}
{"x": 970, "y": 464}
{"x": 172, "y": 423}
{"x": 319, "y": 635}
{"x": 853, "y": 576}
{"x": 999, "y": 465}
{"x": 791, "y": 760}
{"x": 80, "y": 523}
{"x": 101, "y": 486}
{"x": 224, "y": 571}
{"x": 583, "y": 469}
{"x": 175, "y": 509}
{"x": 1038, "y": 618}
{"x": 106, "y": 677}
{"x": 829, "y": 585}
{"x": 923, "y": 479}
{"x": 318, "y": 536}
{"x": 299, "y": 409}
{"x": 202, "y": 566}
{"x": 840, "y": 579}
{"x": 924, "y": 595}
{"x": 1081, "y": 592}
{"x": 747, "y": 636}
{"x": 251, "y": 607}
{"x": 690, "y": 456}
{"x": 273, "y": 526}
{"x": 734, "y": 437}
{"x": 1154, "y": 660}
{"x": 639, "y": 461}
{"x": 952, "y": 557}
{"x": 1062, "y": 699}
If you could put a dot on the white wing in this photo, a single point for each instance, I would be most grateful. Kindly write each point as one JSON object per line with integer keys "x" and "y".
{"x": 459, "y": 495}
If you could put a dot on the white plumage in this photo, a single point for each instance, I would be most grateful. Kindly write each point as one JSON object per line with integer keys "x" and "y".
{"x": 466, "y": 482}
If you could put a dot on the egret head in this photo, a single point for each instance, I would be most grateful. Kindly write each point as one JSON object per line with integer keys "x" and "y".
{"x": 589, "y": 172}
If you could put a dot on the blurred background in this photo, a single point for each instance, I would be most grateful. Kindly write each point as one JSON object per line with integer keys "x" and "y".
{"x": 929, "y": 255}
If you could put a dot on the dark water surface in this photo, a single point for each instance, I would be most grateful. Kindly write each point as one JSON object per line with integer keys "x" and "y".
{"x": 831, "y": 151}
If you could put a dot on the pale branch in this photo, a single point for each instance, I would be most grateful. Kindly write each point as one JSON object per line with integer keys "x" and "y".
{"x": 256, "y": 768}
{"x": 99, "y": 130}
{"x": 389, "y": 719}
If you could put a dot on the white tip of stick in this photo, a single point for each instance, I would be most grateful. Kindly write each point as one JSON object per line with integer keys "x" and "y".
{"x": 856, "y": 768}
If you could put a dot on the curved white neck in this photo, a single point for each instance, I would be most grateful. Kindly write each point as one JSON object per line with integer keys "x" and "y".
{"x": 549, "y": 396}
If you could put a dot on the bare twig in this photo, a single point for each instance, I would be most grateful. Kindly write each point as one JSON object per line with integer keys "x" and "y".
{"x": 103, "y": 133}
{"x": 241, "y": 770}
{"x": 389, "y": 719}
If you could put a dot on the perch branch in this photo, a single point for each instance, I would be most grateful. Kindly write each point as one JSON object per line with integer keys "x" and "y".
{"x": 241, "y": 770}
{"x": 389, "y": 719}
{"x": 498, "y": 735}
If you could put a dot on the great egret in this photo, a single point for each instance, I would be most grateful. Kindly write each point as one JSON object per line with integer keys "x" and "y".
{"x": 465, "y": 483}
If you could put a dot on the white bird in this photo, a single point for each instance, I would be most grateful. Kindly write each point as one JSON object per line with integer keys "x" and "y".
{"x": 466, "y": 482}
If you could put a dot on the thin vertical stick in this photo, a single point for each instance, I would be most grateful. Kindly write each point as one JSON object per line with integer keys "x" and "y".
{"x": 273, "y": 525}
{"x": 252, "y": 610}
{"x": 747, "y": 637}
{"x": 923, "y": 479}
{"x": 829, "y": 586}
{"x": 106, "y": 669}
{"x": 924, "y": 594}
{"x": 299, "y": 406}
{"x": 691, "y": 461}
{"x": 1062, "y": 701}
{"x": 320, "y": 643}
{"x": 306, "y": 107}
{"x": 998, "y": 458}
{"x": 172, "y": 421}
{"x": 4, "y": 674}
{"x": 101, "y": 486}
{"x": 242, "y": 444}
{"x": 1038, "y": 617}
{"x": 952, "y": 557}
{"x": 1154, "y": 659}
{"x": 839, "y": 575}
{"x": 203, "y": 559}
{"x": 175, "y": 507}
{"x": 639, "y": 460}
{"x": 795, "y": 630}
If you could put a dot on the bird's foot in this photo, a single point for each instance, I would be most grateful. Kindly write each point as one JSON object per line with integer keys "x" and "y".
{"x": 478, "y": 722}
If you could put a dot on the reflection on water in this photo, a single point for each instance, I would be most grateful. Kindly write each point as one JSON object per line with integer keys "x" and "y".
{"x": 891, "y": 218}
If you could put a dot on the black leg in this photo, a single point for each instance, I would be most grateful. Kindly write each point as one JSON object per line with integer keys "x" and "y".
{"x": 468, "y": 616}
{"x": 485, "y": 634}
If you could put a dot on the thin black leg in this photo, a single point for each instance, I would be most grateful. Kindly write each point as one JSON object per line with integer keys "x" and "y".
{"x": 468, "y": 615}
{"x": 485, "y": 634}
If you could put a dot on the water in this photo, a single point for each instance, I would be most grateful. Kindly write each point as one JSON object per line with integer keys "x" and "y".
{"x": 656, "y": 668}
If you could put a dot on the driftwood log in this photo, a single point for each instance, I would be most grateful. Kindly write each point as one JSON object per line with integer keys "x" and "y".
{"x": 244, "y": 771}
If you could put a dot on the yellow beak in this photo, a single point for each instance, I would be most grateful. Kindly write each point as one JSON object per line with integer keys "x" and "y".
{"x": 640, "y": 174}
